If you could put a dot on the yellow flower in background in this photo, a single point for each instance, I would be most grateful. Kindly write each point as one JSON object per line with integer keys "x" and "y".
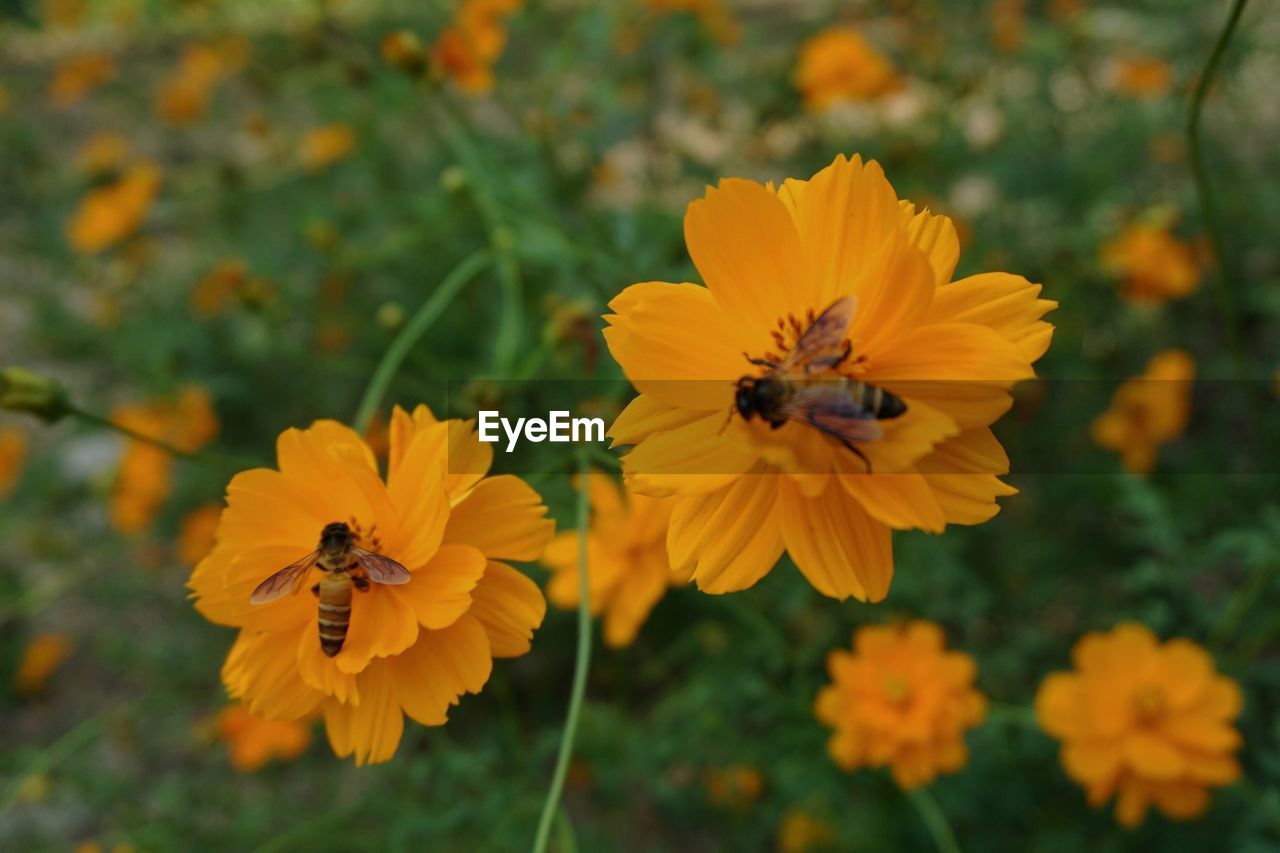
{"x": 626, "y": 559}
{"x": 743, "y": 492}
{"x": 1150, "y": 723}
{"x": 183, "y": 96}
{"x": 324, "y": 146}
{"x": 466, "y": 50}
{"x": 198, "y": 533}
{"x": 901, "y": 700}
{"x": 1148, "y": 411}
{"x": 736, "y": 787}
{"x": 412, "y": 649}
{"x": 1152, "y": 264}
{"x": 111, "y": 213}
{"x": 1008, "y": 24}
{"x": 13, "y": 451}
{"x": 40, "y": 659}
{"x": 77, "y": 77}
{"x": 801, "y": 832}
{"x": 252, "y": 740}
{"x": 102, "y": 153}
{"x": 839, "y": 64}
{"x": 143, "y": 481}
{"x": 1142, "y": 76}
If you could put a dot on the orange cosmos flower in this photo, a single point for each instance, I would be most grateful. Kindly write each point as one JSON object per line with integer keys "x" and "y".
{"x": 219, "y": 286}
{"x": 1148, "y": 722}
{"x": 801, "y": 832}
{"x": 77, "y": 77}
{"x": 1142, "y": 76}
{"x": 325, "y": 145}
{"x": 198, "y": 533}
{"x": 109, "y": 214}
{"x": 143, "y": 481}
{"x": 183, "y": 97}
{"x": 42, "y": 656}
{"x": 412, "y": 649}
{"x": 1152, "y": 263}
{"x": 466, "y": 50}
{"x": 743, "y": 492}
{"x": 900, "y": 699}
{"x": 736, "y": 787}
{"x": 253, "y": 740}
{"x": 626, "y": 560}
{"x": 1008, "y": 24}
{"x": 13, "y": 450}
{"x": 102, "y": 153}
{"x": 838, "y": 65}
{"x": 1148, "y": 411}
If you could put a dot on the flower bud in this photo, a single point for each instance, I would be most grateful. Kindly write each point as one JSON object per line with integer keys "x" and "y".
{"x": 24, "y": 391}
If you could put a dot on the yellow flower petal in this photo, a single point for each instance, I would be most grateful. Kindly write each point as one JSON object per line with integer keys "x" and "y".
{"x": 434, "y": 673}
{"x": 503, "y": 517}
{"x": 1006, "y": 303}
{"x": 841, "y": 550}
{"x": 371, "y": 730}
{"x": 263, "y": 674}
{"x": 731, "y": 537}
{"x": 509, "y": 606}
{"x": 441, "y": 591}
{"x": 1152, "y": 756}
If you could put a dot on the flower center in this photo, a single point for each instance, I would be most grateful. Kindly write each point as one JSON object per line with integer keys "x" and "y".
{"x": 787, "y": 333}
{"x": 368, "y": 539}
{"x": 1148, "y": 703}
{"x": 895, "y": 689}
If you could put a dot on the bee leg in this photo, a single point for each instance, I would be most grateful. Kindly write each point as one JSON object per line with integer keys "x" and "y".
{"x": 360, "y": 583}
{"x": 760, "y": 362}
{"x": 777, "y": 424}
{"x": 860, "y": 455}
{"x": 315, "y": 590}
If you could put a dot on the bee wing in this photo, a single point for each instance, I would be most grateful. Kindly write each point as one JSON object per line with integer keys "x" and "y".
{"x": 829, "y": 408}
{"x": 822, "y": 344}
{"x": 287, "y": 580}
{"x": 380, "y": 569}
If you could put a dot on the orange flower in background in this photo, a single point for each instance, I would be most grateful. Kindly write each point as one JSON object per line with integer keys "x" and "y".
{"x": 13, "y": 450}
{"x": 77, "y": 77}
{"x": 838, "y": 65}
{"x": 901, "y": 700}
{"x": 144, "y": 479}
{"x": 102, "y": 153}
{"x": 198, "y": 533}
{"x": 111, "y": 213}
{"x": 1008, "y": 24}
{"x": 1152, "y": 264}
{"x": 1148, "y": 411}
{"x": 626, "y": 560}
{"x": 252, "y": 740}
{"x": 324, "y": 146}
{"x": 1142, "y": 76}
{"x": 183, "y": 96}
{"x": 801, "y": 832}
{"x": 736, "y": 787}
{"x": 743, "y": 492}
{"x": 219, "y": 286}
{"x": 1151, "y": 723}
{"x": 40, "y": 659}
{"x": 411, "y": 649}
{"x": 466, "y": 50}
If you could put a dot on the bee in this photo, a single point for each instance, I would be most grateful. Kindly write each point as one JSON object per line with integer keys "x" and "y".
{"x": 845, "y": 409}
{"x": 346, "y": 566}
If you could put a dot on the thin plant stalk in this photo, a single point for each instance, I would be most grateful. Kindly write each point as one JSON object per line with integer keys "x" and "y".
{"x": 934, "y": 820}
{"x": 551, "y": 806}
{"x": 1204, "y": 191}
{"x": 417, "y": 326}
{"x": 200, "y": 457}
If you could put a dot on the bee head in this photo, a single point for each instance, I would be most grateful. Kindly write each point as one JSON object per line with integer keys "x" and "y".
{"x": 336, "y": 535}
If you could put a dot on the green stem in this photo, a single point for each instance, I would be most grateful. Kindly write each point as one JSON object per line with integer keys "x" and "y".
{"x": 551, "y": 805}
{"x": 201, "y": 457}
{"x": 1245, "y": 598}
{"x": 1208, "y": 213}
{"x": 934, "y": 820}
{"x": 78, "y": 737}
{"x": 418, "y": 324}
{"x": 506, "y": 345}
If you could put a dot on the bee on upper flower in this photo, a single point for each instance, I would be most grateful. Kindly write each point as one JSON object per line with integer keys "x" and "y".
{"x": 409, "y": 645}
{"x": 828, "y": 384}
